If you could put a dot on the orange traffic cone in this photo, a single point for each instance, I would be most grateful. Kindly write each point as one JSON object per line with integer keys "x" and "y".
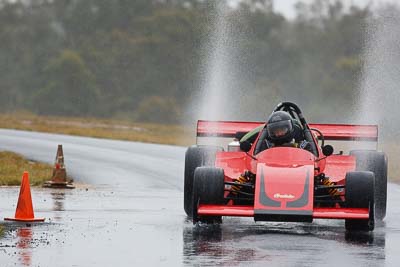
{"x": 59, "y": 178}
{"x": 24, "y": 211}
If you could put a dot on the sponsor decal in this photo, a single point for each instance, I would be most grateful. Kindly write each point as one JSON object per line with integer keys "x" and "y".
{"x": 284, "y": 196}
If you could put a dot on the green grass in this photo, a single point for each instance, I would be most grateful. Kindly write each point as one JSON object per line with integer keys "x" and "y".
{"x": 13, "y": 165}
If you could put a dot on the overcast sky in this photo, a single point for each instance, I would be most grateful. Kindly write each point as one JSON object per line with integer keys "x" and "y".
{"x": 286, "y": 6}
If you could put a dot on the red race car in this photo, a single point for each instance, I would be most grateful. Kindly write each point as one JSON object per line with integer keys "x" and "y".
{"x": 283, "y": 171}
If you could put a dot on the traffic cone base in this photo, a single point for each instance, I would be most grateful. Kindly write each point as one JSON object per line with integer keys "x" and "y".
{"x": 51, "y": 184}
{"x": 25, "y": 220}
{"x": 24, "y": 211}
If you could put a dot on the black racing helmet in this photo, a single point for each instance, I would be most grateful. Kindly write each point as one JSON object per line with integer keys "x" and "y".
{"x": 280, "y": 128}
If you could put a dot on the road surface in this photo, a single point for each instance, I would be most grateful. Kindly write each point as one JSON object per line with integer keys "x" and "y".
{"x": 128, "y": 211}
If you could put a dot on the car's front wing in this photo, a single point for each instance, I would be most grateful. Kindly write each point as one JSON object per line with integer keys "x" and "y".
{"x": 317, "y": 213}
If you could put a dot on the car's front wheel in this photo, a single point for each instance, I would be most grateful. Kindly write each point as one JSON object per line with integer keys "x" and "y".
{"x": 360, "y": 192}
{"x": 208, "y": 188}
{"x": 196, "y": 156}
{"x": 376, "y": 162}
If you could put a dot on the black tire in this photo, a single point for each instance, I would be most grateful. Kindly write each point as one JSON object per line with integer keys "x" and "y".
{"x": 196, "y": 156}
{"x": 376, "y": 162}
{"x": 360, "y": 192}
{"x": 208, "y": 188}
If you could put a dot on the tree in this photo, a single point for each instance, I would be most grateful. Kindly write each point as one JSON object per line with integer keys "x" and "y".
{"x": 70, "y": 89}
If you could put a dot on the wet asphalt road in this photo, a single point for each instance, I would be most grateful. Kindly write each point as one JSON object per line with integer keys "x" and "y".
{"x": 127, "y": 211}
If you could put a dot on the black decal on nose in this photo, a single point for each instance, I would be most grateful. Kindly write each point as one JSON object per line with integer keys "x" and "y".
{"x": 264, "y": 198}
{"x": 303, "y": 200}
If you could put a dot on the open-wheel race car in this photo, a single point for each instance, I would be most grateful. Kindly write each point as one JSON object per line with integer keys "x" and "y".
{"x": 297, "y": 180}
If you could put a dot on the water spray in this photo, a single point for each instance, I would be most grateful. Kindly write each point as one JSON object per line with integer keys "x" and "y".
{"x": 380, "y": 82}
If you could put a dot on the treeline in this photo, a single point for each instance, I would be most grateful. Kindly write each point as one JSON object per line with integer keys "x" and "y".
{"x": 144, "y": 59}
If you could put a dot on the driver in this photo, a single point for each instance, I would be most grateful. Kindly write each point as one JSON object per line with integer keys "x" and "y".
{"x": 283, "y": 130}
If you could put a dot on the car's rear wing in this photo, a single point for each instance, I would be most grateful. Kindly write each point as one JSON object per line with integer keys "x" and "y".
{"x": 340, "y": 132}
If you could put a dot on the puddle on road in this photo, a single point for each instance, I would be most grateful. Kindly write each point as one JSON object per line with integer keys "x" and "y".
{"x": 21, "y": 239}
{"x": 98, "y": 227}
{"x": 240, "y": 242}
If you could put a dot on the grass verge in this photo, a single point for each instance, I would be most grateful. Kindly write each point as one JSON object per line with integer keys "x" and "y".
{"x": 100, "y": 128}
{"x": 13, "y": 165}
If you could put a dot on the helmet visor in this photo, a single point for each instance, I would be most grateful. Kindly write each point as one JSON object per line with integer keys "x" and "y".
{"x": 280, "y": 129}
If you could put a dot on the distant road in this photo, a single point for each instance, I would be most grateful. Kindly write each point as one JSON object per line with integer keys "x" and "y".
{"x": 102, "y": 161}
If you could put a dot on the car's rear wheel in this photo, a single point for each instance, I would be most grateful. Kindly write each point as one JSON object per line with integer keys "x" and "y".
{"x": 360, "y": 191}
{"x": 376, "y": 162}
{"x": 208, "y": 188}
{"x": 196, "y": 156}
